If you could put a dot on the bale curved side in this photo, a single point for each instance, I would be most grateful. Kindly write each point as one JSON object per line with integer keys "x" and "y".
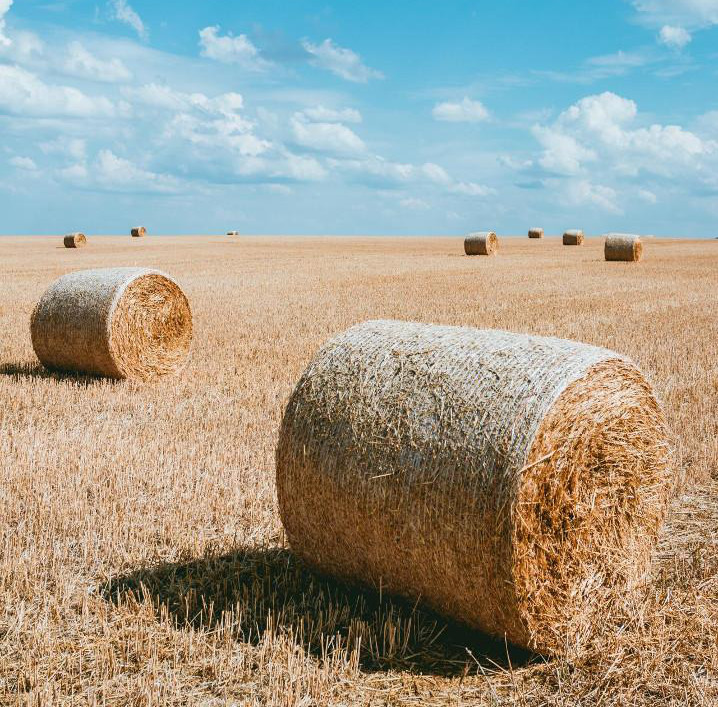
{"x": 481, "y": 243}
{"x": 573, "y": 237}
{"x": 623, "y": 247}
{"x": 535, "y": 232}
{"x": 75, "y": 240}
{"x": 467, "y": 468}
{"x": 138, "y": 232}
{"x": 114, "y": 322}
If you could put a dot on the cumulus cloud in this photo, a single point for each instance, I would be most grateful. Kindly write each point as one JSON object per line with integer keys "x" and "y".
{"x": 320, "y": 114}
{"x": 325, "y": 137}
{"x": 74, "y": 148}
{"x": 4, "y": 8}
{"x": 230, "y": 49}
{"x": 685, "y": 13}
{"x": 583, "y": 192}
{"x": 121, "y": 11}
{"x": 340, "y": 61}
{"x": 80, "y": 62}
{"x": 23, "y": 93}
{"x": 674, "y": 37}
{"x": 465, "y": 111}
{"x": 25, "y": 163}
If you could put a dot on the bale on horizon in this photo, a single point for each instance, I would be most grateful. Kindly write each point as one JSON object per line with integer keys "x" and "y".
{"x": 535, "y": 232}
{"x": 138, "y": 232}
{"x": 114, "y": 322}
{"x": 513, "y": 483}
{"x": 75, "y": 240}
{"x": 481, "y": 243}
{"x": 232, "y": 233}
{"x": 573, "y": 237}
{"x": 626, "y": 247}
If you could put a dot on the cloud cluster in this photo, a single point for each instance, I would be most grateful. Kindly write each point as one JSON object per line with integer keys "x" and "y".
{"x": 465, "y": 111}
{"x": 340, "y": 61}
{"x": 230, "y": 49}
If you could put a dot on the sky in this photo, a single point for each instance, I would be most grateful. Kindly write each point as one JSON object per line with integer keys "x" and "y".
{"x": 374, "y": 117}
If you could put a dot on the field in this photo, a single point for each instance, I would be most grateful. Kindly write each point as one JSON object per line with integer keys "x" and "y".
{"x": 143, "y": 560}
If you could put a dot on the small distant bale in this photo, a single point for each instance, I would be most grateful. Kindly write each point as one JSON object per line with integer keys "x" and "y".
{"x": 535, "y": 232}
{"x": 75, "y": 240}
{"x": 481, "y": 243}
{"x": 138, "y": 232}
{"x": 514, "y": 483}
{"x": 232, "y": 233}
{"x": 573, "y": 237}
{"x": 114, "y": 322}
{"x": 625, "y": 247}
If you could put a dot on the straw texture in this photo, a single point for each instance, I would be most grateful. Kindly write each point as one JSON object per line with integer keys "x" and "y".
{"x": 75, "y": 240}
{"x": 115, "y": 322}
{"x": 481, "y": 243}
{"x": 138, "y": 232}
{"x": 573, "y": 237}
{"x": 512, "y": 482}
{"x": 535, "y": 232}
{"x": 623, "y": 246}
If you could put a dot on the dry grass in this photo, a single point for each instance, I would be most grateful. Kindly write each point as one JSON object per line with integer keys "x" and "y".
{"x": 143, "y": 561}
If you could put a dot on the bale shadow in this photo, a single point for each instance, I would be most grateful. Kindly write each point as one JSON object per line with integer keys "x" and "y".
{"x": 269, "y": 590}
{"x": 38, "y": 371}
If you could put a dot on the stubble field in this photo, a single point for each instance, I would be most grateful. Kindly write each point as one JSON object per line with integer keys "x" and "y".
{"x": 142, "y": 557}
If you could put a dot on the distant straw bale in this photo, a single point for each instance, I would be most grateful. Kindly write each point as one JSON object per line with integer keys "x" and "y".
{"x": 75, "y": 240}
{"x": 481, "y": 243}
{"x": 232, "y": 233}
{"x": 115, "y": 322}
{"x": 623, "y": 246}
{"x": 573, "y": 237}
{"x": 535, "y": 232}
{"x": 138, "y": 232}
{"x": 514, "y": 483}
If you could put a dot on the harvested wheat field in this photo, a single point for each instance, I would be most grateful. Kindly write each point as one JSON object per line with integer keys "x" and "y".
{"x": 143, "y": 557}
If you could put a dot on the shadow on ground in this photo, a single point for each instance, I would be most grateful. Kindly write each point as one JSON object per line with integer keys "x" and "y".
{"x": 270, "y": 589}
{"x": 36, "y": 370}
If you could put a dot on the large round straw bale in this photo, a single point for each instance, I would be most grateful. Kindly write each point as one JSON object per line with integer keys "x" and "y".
{"x": 573, "y": 237}
{"x": 116, "y": 322}
{"x": 138, "y": 232}
{"x": 535, "y": 232}
{"x": 481, "y": 243}
{"x": 75, "y": 240}
{"x": 515, "y": 483}
{"x": 623, "y": 246}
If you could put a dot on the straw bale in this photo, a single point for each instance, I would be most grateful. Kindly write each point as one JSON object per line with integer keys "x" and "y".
{"x": 573, "y": 237}
{"x": 75, "y": 240}
{"x": 481, "y": 243}
{"x": 138, "y": 232}
{"x": 115, "y": 322}
{"x": 514, "y": 483}
{"x": 232, "y": 233}
{"x": 623, "y": 246}
{"x": 535, "y": 232}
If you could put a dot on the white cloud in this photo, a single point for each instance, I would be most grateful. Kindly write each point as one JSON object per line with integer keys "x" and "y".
{"x": 4, "y": 8}
{"x": 583, "y": 192}
{"x": 320, "y": 114}
{"x": 23, "y": 93}
{"x": 123, "y": 12}
{"x": 111, "y": 173}
{"x": 326, "y": 137}
{"x": 465, "y": 111}
{"x": 22, "y": 47}
{"x": 648, "y": 196}
{"x": 23, "y": 163}
{"x": 685, "y": 13}
{"x": 471, "y": 189}
{"x": 674, "y": 37}
{"x": 436, "y": 173}
{"x": 562, "y": 153}
{"x": 75, "y": 148}
{"x": 80, "y": 62}
{"x": 230, "y": 49}
{"x": 340, "y": 61}
{"x": 414, "y": 204}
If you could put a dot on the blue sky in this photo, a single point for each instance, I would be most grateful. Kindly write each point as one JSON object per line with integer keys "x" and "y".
{"x": 359, "y": 118}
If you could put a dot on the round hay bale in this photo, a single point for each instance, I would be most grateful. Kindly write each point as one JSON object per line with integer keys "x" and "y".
{"x": 481, "y": 243}
{"x": 232, "y": 233}
{"x": 535, "y": 232}
{"x": 138, "y": 232}
{"x": 115, "y": 322}
{"x": 623, "y": 246}
{"x": 75, "y": 240}
{"x": 514, "y": 483}
{"x": 573, "y": 237}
